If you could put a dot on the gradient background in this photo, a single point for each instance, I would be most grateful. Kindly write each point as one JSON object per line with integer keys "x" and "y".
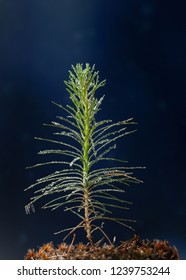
{"x": 139, "y": 47}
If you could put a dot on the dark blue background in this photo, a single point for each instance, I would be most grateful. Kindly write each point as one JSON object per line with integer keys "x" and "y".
{"x": 139, "y": 47}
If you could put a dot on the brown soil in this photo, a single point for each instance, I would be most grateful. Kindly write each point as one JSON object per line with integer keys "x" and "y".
{"x": 133, "y": 249}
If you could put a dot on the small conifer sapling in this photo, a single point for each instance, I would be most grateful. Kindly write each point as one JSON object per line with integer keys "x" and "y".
{"x": 79, "y": 185}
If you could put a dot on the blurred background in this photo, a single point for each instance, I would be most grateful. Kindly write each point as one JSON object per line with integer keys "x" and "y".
{"x": 139, "y": 47}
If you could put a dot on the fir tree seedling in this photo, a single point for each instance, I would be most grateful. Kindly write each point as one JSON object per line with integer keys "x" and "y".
{"x": 79, "y": 185}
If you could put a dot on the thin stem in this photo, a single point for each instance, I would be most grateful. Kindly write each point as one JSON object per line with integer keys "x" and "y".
{"x": 87, "y": 224}
{"x": 86, "y": 145}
